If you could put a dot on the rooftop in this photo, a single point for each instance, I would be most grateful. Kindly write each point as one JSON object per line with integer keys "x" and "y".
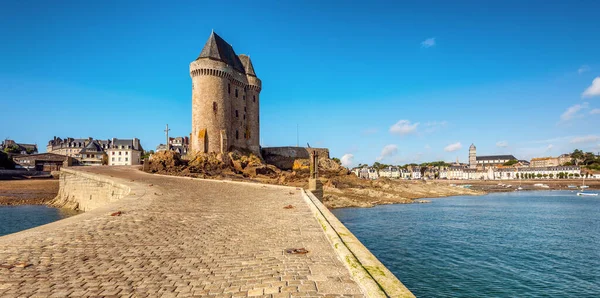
{"x": 217, "y": 48}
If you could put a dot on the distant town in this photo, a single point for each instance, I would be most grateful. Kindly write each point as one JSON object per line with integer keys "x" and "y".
{"x": 491, "y": 167}
{"x": 81, "y": 152}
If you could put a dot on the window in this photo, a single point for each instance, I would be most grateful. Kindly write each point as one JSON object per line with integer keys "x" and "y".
{"x": 215, "y": 107}
{"x": 126, "y": 152}
{"x": 236, "y": 114}
{"x": 126, "y": 159}
{"x": 113, "y": 153}
{"x": 119, "y": 152}
{"x": 229, "y": 88}
{"x": 244, "y": 97}
{"x": 244, "y": 116}
{"x": 236, "y": 92}
{"x": 237, "y": 135}
{"x": 244, "y": 109}
{"x": 113, "y": 159}
{"x": 254, "y": 98}
{"x": 119, "y": 159}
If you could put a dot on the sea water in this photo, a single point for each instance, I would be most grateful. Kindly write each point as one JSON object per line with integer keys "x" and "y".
{"x": 518, "y": 244}
{"x": 17, "y": 218}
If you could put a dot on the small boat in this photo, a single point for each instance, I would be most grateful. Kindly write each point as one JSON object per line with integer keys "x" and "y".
{"x": 587, "y": 194}
{"x": 519, "y": 188}
{"x": 541, "y": 185}
{"x": 572, "y": 186}
{"x": 584, "y": 186}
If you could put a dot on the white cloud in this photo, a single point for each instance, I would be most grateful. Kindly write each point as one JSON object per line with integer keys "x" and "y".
{"x": 593, "y": 90}
{"x": 347, "y": 160}
{"x": 428, "y": 43}
{"x": 585, "y": 139}
{"x": 572, "y": 111}
{"x": 453, "y": 147}
{"x": 595, "y": 111}
{"x": 388, "y": 150}
{"x": 549, "y": 147}
{"x": 502, "y": 144}
{"x": 583, "y": 68}
{"x": 403, "y": 127}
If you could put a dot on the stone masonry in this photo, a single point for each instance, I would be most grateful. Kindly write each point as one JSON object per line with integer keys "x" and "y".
{"x": 225, "y": 100}
{"x": 178, "y": 237}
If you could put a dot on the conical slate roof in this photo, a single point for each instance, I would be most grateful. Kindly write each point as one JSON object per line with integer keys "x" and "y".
{"x": 247, "y": 65}
{"x": 218, "y": 49}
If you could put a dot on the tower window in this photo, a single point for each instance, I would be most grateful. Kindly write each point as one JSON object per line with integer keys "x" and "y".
{"x": 254, "y": 98}
{"x": 215, "y": 107}
{"x": 229, "y": 88}
{"x": 244, "y": 116}
{"x": 237, "y": 134}
{"x": 236, "y": 92}
{"x": 236, "y": 114}
{"x": 244, "y": 109}
{"x": 244, "y": 97}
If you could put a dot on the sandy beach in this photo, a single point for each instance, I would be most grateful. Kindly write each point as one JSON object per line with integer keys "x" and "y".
{"x": 27, "y": 191}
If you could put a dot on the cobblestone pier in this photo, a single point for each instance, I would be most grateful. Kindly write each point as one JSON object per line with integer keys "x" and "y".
{"x": 179, "y": 237}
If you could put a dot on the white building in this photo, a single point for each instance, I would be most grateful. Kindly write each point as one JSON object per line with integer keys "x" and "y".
{"x": 390, "y": 172}
{"x": 373, "y": 173}
{"x": 124, "y": 152}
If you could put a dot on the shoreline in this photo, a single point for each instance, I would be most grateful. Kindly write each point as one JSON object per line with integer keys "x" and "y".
{"x": 20, "y": 192}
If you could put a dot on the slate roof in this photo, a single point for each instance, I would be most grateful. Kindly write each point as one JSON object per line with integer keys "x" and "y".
{"x": 494, "y": 157}
{"x": 247, "y": 65}
{"x": 127, "y": 142}
{"x": 218, "y": 49}
{"x": 92, "y": 147}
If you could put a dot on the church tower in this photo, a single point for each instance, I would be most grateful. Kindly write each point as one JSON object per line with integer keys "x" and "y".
{"x": 225, "y": 100}
{"x": 472, "y": 157}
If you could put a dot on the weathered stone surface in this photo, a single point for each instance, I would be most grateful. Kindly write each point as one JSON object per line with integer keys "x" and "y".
{"x": 179, "y": 237}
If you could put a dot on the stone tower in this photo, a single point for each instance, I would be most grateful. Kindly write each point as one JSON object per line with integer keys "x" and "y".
{"x": 225, "y": 100}
{"x": 472, "y": 156}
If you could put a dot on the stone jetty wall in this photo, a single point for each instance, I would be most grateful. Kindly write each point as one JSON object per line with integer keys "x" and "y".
{"x": 85, "y": 192}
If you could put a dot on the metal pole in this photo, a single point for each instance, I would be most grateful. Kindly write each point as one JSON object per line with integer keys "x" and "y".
{"x": 167, "y": 133}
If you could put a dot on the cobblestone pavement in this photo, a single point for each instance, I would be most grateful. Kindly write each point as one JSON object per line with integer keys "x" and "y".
{"x": 181, "y": 238}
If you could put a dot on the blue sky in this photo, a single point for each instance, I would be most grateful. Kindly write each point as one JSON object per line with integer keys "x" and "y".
{"x": 395, "y": 82}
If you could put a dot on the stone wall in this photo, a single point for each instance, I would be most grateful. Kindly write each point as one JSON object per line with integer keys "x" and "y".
{"x": 85, "y": 192}
{"x": 224, "y": 101}
{"x": 284, "y": 157}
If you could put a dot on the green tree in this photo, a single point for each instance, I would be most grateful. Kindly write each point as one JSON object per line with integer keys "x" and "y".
{"x": 12, "y": 149}
{"x": 571, "y": 175}
{"x": 511, "y": 162}
{"x": 337, "y": 160}
{"x": 545, "y": 176}
{"x": 539, "y": 176}
{"x": 551, "y": 175}
{"x": 147, "y": 154}
{"x": 577, "y": 175}
{"x": 577, "y": 156}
